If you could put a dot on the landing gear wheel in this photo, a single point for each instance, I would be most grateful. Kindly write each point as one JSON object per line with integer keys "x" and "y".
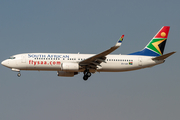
{"x": 19, "y": 74}
{"x": 85, "y": 77}
{"x": 88, "y": 74}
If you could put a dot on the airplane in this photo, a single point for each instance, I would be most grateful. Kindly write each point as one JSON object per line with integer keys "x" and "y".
{"x": 68, "y": 65}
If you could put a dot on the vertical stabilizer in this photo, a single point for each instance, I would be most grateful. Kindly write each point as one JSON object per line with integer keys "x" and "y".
{"x": 157, "y": 44}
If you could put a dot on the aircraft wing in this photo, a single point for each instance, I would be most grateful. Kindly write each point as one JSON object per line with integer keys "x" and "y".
{"x": 96, "y": 60}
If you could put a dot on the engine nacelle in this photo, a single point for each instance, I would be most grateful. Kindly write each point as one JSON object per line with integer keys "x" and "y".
{"x": 66, "y": 74}
{"x": 70, "y": 67}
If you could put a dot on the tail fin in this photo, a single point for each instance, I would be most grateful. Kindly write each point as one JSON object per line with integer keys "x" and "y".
{"x": 156, "y": 46}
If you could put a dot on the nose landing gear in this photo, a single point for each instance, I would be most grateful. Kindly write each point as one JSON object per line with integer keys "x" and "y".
{"x": 87, "y": 74}
{"x": 19, "y": 74}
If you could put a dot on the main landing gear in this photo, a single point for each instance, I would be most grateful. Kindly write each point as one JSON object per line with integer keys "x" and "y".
{"x": 87, "y": 74}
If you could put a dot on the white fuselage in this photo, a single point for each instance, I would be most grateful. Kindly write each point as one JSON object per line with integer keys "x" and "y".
{"x": 53, "y": 62}
{"x": 68, "y": 65}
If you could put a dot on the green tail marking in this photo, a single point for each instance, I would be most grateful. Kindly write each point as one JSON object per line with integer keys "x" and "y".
{"x": 157, "y": 45}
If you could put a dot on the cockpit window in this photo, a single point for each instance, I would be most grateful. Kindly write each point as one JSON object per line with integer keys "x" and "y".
{"x": 12, "y": 57}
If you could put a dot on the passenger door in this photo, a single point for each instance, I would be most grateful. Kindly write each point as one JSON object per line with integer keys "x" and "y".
{"x": 140, "y": 61}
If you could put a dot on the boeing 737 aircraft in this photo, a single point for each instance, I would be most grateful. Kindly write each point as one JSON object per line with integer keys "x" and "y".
{"x": 68, "y": 65}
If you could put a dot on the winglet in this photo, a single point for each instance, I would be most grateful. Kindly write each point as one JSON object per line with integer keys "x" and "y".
{"x": 119, "y": 42}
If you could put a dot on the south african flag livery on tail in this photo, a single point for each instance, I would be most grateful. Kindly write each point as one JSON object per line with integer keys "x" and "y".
{"x": 156, "y": 46}
{"x": 121, "y": 39}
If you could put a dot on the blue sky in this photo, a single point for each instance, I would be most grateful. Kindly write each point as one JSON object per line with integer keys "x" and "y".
{"x": 84, "y": 26}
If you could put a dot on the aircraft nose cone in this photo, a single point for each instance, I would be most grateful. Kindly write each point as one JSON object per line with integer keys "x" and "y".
{"x": 4, "y": 63}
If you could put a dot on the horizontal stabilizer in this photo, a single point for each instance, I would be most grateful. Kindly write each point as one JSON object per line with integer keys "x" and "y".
{"x": 163, "y": 56}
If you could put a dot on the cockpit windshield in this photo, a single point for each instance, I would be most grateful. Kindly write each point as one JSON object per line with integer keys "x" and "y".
{"x": 12, "y": 57}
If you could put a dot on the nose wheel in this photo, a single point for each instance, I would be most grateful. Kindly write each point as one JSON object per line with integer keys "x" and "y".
{"x": 19, "y": 74}
{"x": 87, "y": 74}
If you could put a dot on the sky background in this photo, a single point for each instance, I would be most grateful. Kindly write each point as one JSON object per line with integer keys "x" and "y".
{"x": 88, "y": 26}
